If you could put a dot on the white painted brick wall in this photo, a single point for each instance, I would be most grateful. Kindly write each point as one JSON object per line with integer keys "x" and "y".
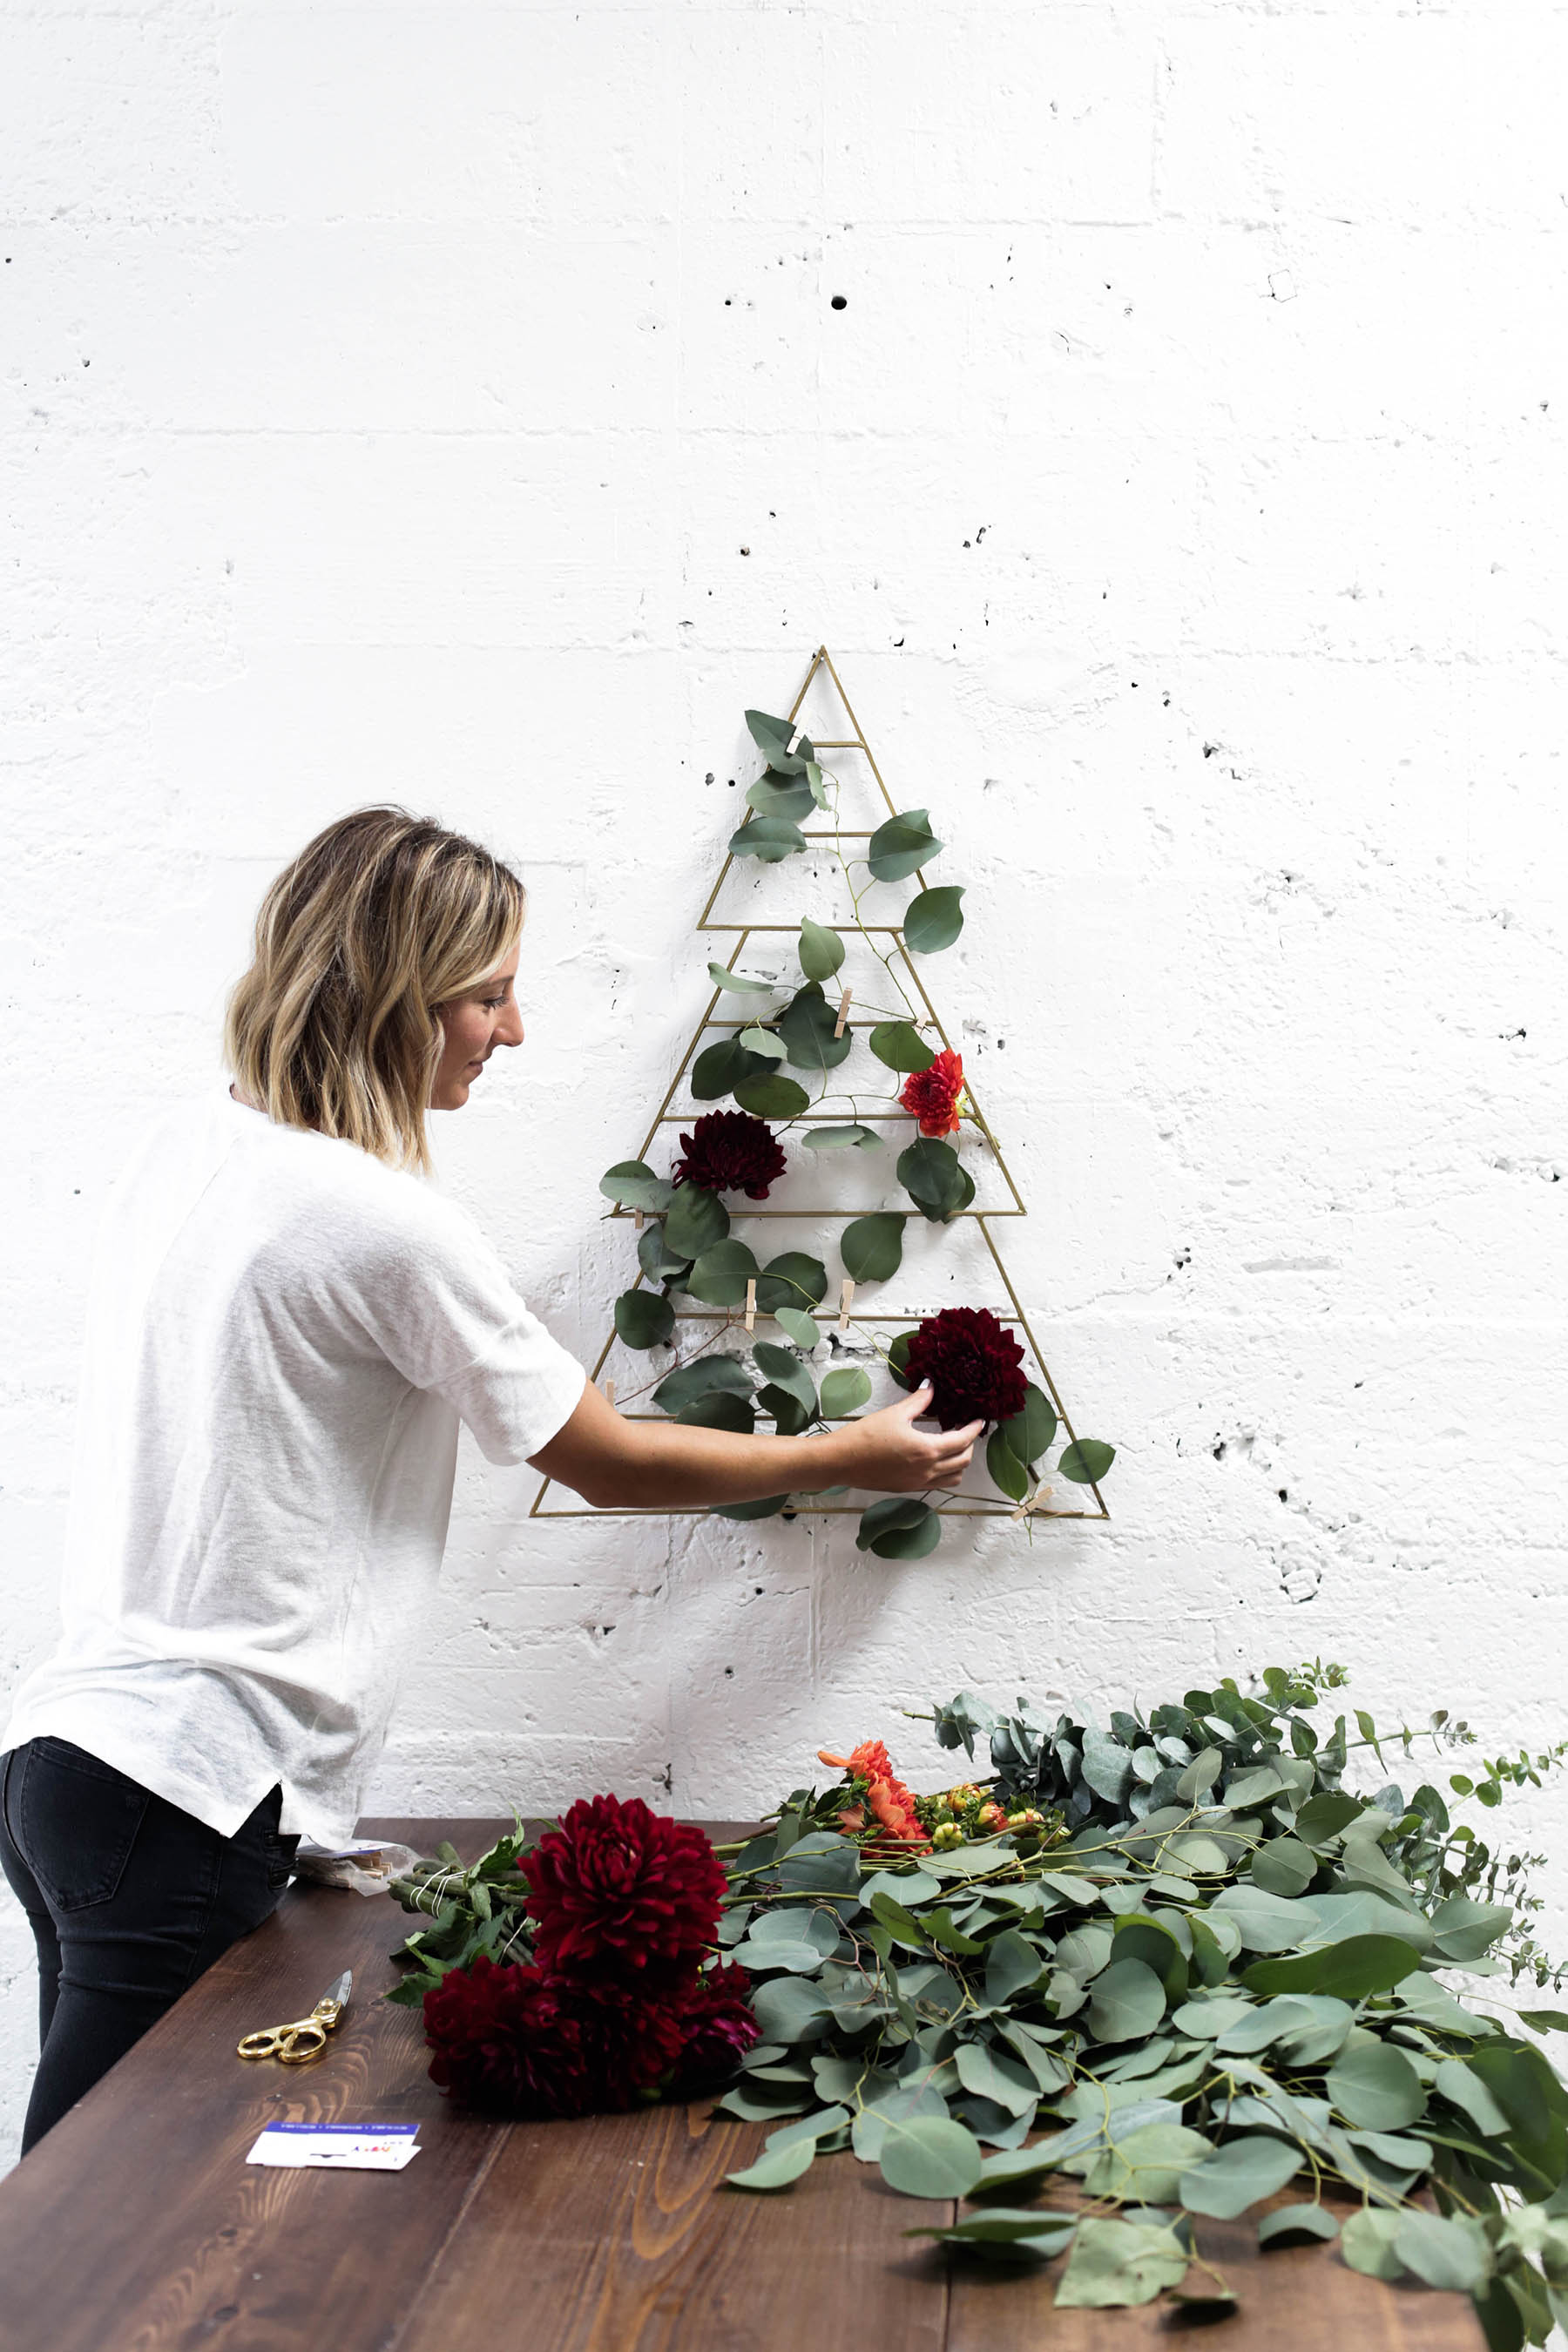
{"x": 387, "y": 396}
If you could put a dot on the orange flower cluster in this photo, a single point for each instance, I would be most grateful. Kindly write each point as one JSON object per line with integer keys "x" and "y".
{"x": 933, "y": 1093}
{"x": 892, "y": 1804}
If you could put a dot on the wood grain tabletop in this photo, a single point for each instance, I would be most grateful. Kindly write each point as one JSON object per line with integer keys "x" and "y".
{"x": 137, "y": 2226}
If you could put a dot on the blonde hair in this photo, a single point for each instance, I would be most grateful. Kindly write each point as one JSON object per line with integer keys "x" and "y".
{"x": 380, "y": 921}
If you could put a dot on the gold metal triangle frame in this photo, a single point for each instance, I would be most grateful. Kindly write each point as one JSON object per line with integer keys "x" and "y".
{"x": 663, "y": 1117}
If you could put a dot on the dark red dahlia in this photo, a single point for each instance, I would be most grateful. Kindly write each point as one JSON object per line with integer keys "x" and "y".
{"x": 974, "y": 1364}
{"x": 731, "y": 1151}
{"x": 619, "y": 1891}
{"x": 630, "y": 2039}
{"x": 507, "y": 2040}
{"x": 719, "y": 2029}
{"x": 933, "y": 1093}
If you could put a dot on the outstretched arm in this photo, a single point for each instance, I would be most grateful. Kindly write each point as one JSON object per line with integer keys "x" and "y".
{"x": 615, "y": 1463}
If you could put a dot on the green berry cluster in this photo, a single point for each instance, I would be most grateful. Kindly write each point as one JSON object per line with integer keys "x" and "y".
{"x": 954, "y": 1816}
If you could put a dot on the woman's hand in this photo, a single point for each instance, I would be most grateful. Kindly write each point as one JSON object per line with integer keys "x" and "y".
{"x": 888, "y": 1452}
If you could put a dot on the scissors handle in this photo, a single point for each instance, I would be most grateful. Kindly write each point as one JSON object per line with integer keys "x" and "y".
{"x": 291, "y": 2045}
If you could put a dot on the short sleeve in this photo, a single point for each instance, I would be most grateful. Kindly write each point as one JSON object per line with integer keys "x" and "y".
{"x": 435, "y": 1299}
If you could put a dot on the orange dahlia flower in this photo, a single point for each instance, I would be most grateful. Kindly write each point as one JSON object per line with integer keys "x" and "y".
{"x": 933, "y": 1093}
{"x": 891, "y": 1802}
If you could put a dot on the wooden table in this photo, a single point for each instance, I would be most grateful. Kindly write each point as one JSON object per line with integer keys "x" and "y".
{"x": 136, "y": 2226}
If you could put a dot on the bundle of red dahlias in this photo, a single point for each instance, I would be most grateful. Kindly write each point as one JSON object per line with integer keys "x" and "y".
{"x": 617, "y": 2005}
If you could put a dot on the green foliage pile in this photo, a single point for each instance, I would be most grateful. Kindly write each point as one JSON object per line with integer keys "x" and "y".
{"x": 687, "y": 1249}
{"x": 1224, "y": 1981}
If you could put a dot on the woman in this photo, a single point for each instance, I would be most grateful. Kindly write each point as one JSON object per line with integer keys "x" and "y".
{"x": 285, "y": 1327}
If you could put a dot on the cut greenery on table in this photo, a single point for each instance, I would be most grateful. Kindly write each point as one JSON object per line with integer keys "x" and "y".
{"x": 1188, "y": 1963}
{"x": 808, "y": 1079}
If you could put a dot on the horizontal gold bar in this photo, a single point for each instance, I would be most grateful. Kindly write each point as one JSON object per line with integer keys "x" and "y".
{"x": 841, "y": 1215}
{"x": 801, "y": 1118}
{"x": 793, "y": 929}
{"x": 819, "y": 1511}
{"x": 825, "y": 1315}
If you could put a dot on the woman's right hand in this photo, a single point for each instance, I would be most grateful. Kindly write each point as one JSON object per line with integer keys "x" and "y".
{"x": 887, "y": 1451}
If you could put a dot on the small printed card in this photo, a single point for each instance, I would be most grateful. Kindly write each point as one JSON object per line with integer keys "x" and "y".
{"x": 344, "y": 2148}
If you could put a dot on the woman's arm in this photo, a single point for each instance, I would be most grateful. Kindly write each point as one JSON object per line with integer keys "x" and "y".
{"x": 665, "y": 1466}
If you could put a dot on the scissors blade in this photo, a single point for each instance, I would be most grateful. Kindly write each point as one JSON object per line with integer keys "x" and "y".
{"x": 340, "y": 1988}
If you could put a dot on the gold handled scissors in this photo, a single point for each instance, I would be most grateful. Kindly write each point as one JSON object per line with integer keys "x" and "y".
{"x": 291, "y": 2045}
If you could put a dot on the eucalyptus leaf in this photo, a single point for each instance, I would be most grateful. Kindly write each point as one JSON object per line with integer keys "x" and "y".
{"x": 1117, "y": 2264}
{"x": 632, "y": 1184}
{"x": 791, "y": 1279}
{"x": 657, "y": 1261}
{"x": 872, "y": 1247}
{"x": 933, "y": 920}
{"x": 771, "y": 1096}
{"x": 1241, "y": 2173}
{"x": 1145, "y": 2167}
{"x": 785, "y": 1372}
{"x": 700, "y": 1377}
{"x": 696, "y": 1219}
{"x": 770, "y": 838}
{"x": 1367, "y": 2241}
{"x": 851, "y": 1136}
{"x": 927, "y": 2157}
{"x": 902, "y": 843}
{"x": 801, "y": 1327}
{"x": 643, "y": 1318}
{"x": 740, "y": 984}
{"x": 844, "y": 1390}
{"x": 723, "y": 1066}
{"x": 789, "y": 1413}
{"x": 807, "y": 1025}
{"x": 775, "y": 795}
{"x": 1350, "y": 1969}
{"x": 1297, "y": 2225}
{"x": 761, "y": 1043}
{"x": 1086, "y": 1461}
{"x": 900, "y": 1044}
{"x": 916, "y": 1539}
{"x": 934, "y": 1178}
{"x": 1005, "y": 1468}
{"x": 719, "y": 1410}
{"x": 821, "y": 950}
{"x": 991, "y": 2075}
{"x": 1451, "y": 2253}
{"x": 1128, "y": 2000}
{"x": 719, "y": 1276}
{"x": 1030, "y": 1432}
{"x": 772, "y": 738}
{"x": 1375, "y": 2086}
{"x": 775, "y": 2167}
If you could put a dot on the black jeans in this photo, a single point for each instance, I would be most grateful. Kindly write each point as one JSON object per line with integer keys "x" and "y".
{"x": 128, "y": 1899}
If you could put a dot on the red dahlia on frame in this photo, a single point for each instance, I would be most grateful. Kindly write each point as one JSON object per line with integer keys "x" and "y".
{"x": 731, "y": 1151}
{"x": 974, "y": 1363}
{"x": 617, "y": 1892}
{"x": 933, "y": 1093}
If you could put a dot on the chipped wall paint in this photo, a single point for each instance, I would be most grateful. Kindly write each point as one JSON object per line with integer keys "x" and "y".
{"x": 1159, "y": 412}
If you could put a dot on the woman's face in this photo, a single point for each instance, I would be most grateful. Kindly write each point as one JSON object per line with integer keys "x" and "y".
{"x": 472, "y": 1027}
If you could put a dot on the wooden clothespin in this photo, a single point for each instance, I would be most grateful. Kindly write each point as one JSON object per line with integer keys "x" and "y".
{"x": 639, "y": 1218}
{"x": 1031, "y": 1504}
{"x": 751, "y": 1302}
{"x": 610, "y": 1392}
{"x": 794, "y": 739}
{"x": 843, "y": 1012}
{"x": 846, "y": 1293}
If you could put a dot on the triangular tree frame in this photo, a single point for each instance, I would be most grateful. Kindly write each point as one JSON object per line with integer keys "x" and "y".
{"x": 829, "y": 1317}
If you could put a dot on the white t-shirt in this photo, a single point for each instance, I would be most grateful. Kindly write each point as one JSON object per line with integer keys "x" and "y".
{"x": 283, "y": 1334}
